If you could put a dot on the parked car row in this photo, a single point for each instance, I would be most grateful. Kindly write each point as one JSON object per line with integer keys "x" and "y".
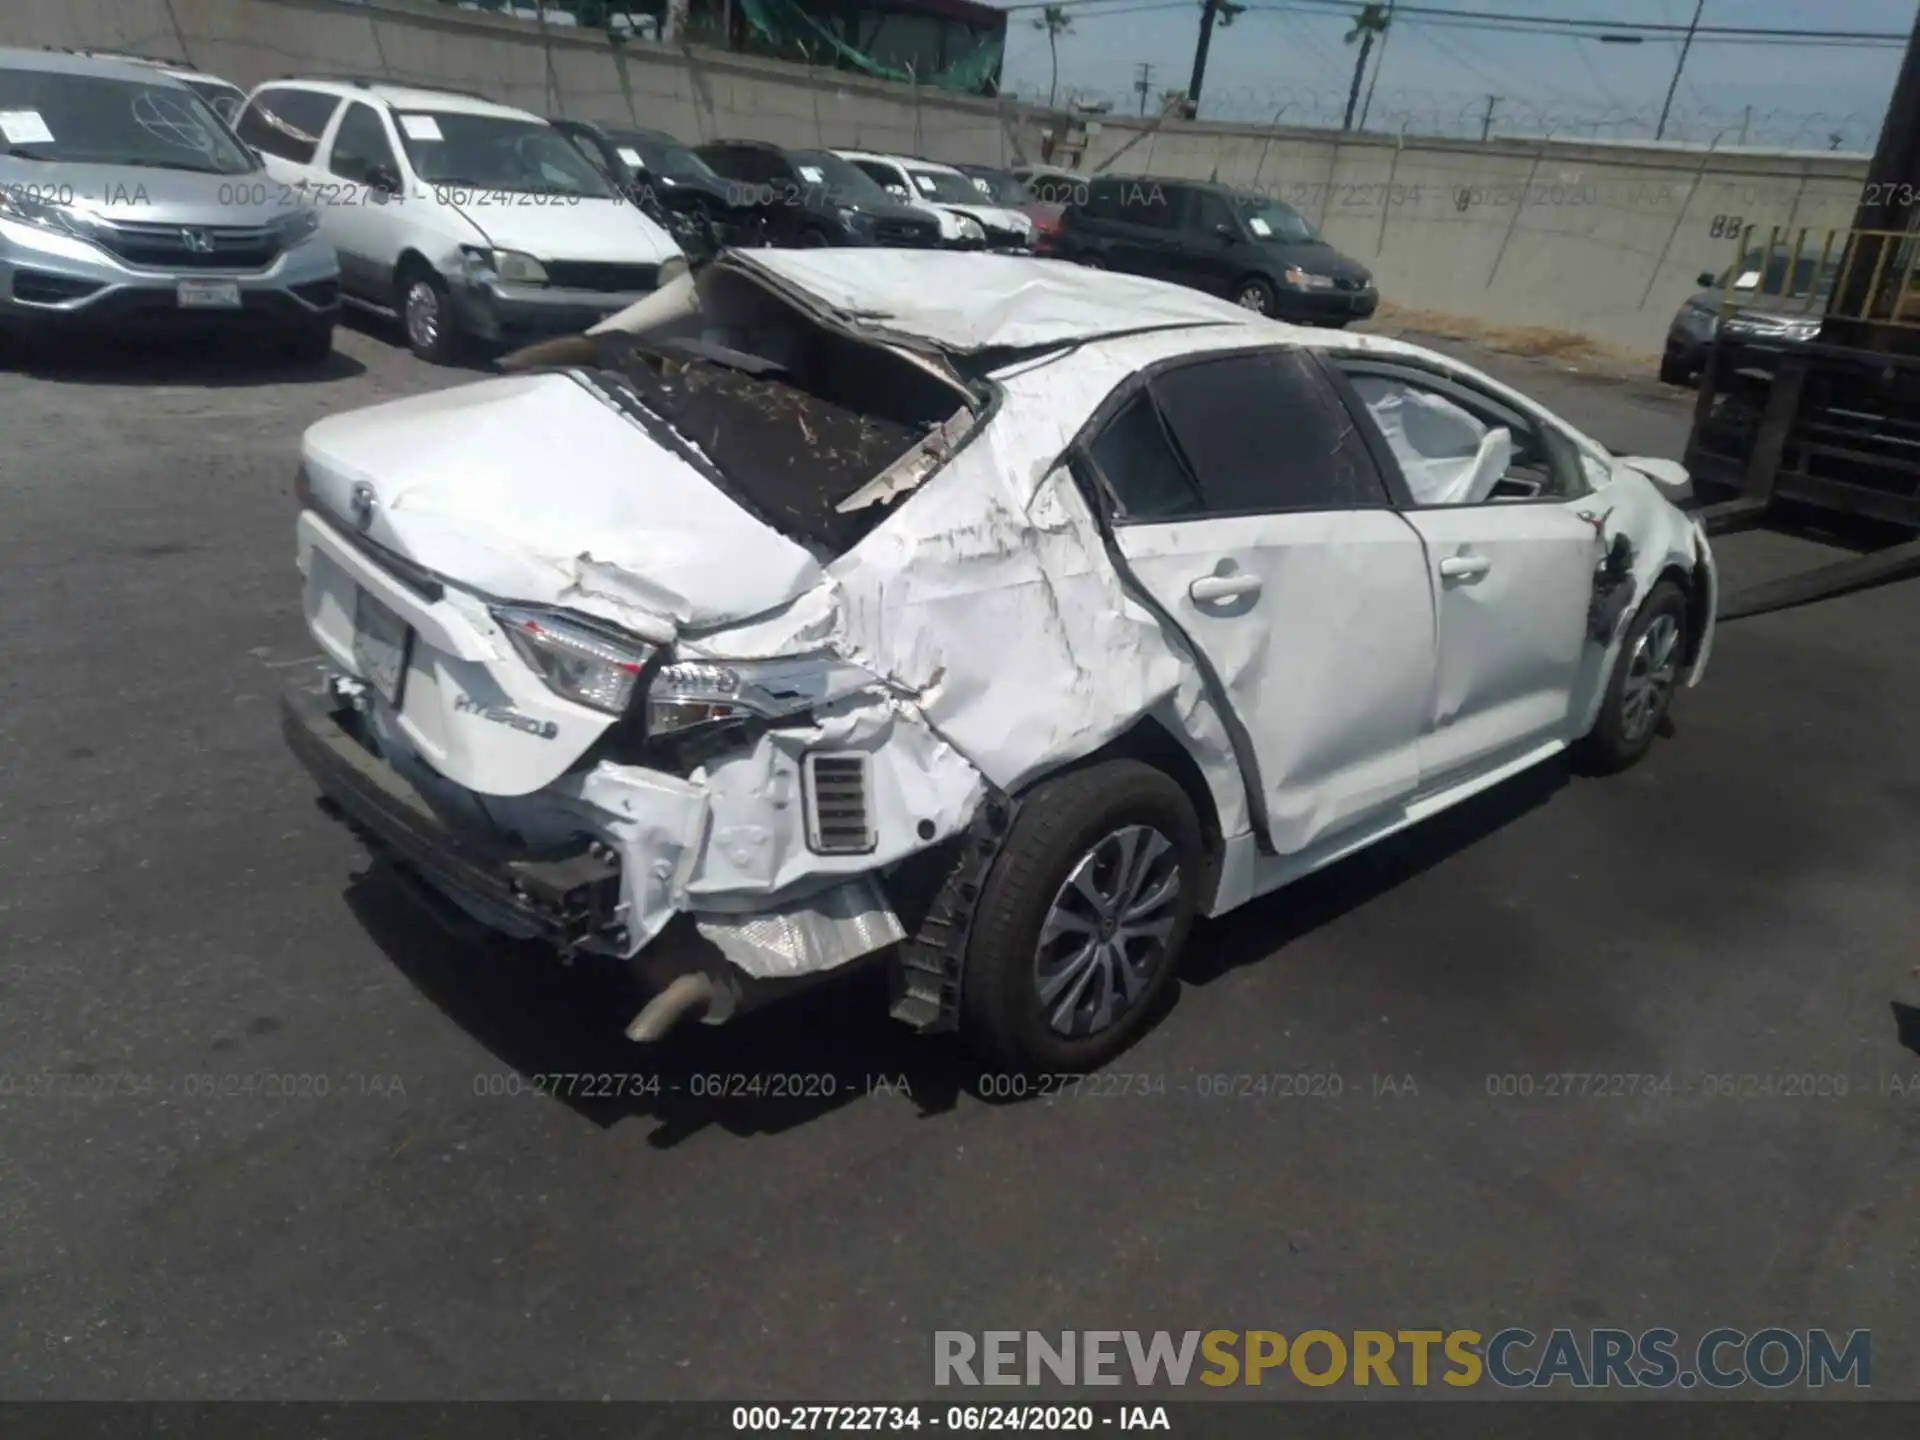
{"x": 147, "y": 195}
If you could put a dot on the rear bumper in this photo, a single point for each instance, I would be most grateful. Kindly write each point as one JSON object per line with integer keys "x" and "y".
{"x": 567, "y": 899}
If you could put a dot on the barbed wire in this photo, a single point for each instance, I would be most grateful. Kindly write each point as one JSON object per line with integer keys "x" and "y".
{"x": 1453, "y": 114}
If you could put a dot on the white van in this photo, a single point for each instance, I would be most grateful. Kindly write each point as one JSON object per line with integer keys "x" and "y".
{"x": 467, "y": 219}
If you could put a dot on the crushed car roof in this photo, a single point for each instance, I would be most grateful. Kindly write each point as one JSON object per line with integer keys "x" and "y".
{"x": 969, "y": 302}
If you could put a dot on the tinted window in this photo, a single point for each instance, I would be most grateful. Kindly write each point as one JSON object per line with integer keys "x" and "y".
{"x": 1146, "y": 202}
{"x": 739, "y": 163}
{"x": 1101, "y": 201}
{"x": 882, "y": 175}
{"x": 1266, "y": 432}
{"x": 287, "y": 123}
{"x": 360, "y": 146}
{"x": 1146, "y": 478}
{"x": 1206, "y": 212}
{"x": 662, "y": 155}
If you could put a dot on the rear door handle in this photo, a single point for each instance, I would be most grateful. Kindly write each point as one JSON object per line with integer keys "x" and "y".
{"x": 1464, "y": 567}
{"x": 1224, "y": 587}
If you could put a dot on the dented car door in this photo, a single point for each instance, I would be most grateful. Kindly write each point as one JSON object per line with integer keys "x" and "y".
{"x": 1251, "y": 517}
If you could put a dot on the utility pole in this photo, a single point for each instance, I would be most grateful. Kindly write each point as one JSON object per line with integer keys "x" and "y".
{"x": 1143, "y": 83}
{"x": 1209, "y": 12}
{"x": 1746, "y": 119}
{"x": 1386, "y": 37}
{"x": 1486, "y": 121}
{"x": 1660, "y": 131}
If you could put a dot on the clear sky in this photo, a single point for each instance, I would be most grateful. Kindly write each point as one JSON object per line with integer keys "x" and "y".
{"x": 1437, "y": 79}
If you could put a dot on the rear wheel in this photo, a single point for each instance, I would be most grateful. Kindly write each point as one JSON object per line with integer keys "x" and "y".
{"x": 1640, "y": 691}
{"x": 1674, "y": 369}
{"x": 1080, "y": 925}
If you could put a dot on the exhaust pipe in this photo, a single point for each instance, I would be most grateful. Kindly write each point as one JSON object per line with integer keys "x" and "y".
{"x": 694, "y": 991}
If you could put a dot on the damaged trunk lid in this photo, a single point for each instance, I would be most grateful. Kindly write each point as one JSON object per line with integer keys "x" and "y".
{"x": 542, "y": 489}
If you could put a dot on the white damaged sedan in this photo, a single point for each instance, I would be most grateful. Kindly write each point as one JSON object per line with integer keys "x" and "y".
{"x": 983, "y": 616}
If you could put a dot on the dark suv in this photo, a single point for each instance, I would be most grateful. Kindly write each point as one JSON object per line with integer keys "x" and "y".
{"x": 1253, "y": 250}
{"x": 813, "y": 197}
{"x": 666, "y": 179}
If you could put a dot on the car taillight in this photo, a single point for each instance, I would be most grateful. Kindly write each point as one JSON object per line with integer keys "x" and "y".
{"x": 578, "y": 662}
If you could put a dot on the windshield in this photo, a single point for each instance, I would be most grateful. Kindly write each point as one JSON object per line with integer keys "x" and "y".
{"x": 664, "y": 157}
{"x": 999, "y": 187}
{"x": 945, "y": 188}
{"x": 101, "y": 120}
{"x": 840, "y": 177}
{"x": 1758, "y": 273}
{"x": 497, "y": 152}
{"x": 1270, "y": 220}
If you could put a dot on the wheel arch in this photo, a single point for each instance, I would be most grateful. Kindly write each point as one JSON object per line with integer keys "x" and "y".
{"x": 1691, "y": 581}
{"x": 1152, "y": 743}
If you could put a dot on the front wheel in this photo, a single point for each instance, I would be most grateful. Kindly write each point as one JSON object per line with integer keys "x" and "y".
{"x": 1640, "y": 691}
{"x": 426, "y": 311}
{"x": 1081, "y": 921}
{"x": 1256, "y": 295}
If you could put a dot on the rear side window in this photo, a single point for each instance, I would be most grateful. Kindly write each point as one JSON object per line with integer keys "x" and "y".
{"x": 287, "y": 123}
{"x": 1267, "y": 432}
{"x": 1145, "y": 477}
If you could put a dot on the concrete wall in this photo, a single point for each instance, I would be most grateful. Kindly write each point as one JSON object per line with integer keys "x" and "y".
{"x": 1605, "y": 240}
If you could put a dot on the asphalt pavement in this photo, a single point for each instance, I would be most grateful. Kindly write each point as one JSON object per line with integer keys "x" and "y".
{"x": 285, "y": 1139}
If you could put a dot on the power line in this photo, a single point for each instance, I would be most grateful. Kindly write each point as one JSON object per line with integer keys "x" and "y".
{"x": 1501, "y": 19}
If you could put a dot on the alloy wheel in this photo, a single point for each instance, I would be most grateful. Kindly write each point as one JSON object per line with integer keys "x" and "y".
{"x": 1252, "y": 297}
{"x": 1106, "y": 932}
{"x": 423, "y": 315}
{"x": 1652, "y": 669}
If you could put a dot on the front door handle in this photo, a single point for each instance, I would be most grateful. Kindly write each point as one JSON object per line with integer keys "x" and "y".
{"x": 1224, "y": 587}
{"x": 1464, "y": 567}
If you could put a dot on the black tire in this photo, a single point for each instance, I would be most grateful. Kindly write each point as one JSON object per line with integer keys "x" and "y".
{"x": 445, "y": 344}
{"x": 1674, "y": 370}
{"x": 1256, "y": 294}
{"x": 310, "y": 343}
{"x": 1062, "y": 823}
{"x": 1621, "y": 736}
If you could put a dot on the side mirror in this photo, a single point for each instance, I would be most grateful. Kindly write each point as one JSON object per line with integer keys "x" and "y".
{"x": 899, "y": 190}
{"x": 382, "y": 177}
{"x": 1708, "y": 280}
{"x": 1226, "y": 232}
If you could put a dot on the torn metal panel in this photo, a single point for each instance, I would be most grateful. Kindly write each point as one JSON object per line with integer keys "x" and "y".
{"x": 920, "y": 790}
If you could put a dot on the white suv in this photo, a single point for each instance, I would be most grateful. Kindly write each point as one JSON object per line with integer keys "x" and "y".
{"x": 465, "y": 218}
{"x": 968, "y": 219}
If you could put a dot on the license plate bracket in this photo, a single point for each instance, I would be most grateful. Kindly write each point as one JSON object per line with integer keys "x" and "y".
{"x": 382, "y": 647}
{"x": 208, "y": 294}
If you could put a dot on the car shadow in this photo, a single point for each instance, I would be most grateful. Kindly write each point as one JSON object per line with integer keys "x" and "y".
{"x": 1258, "y": 930}
{"x": 561, "y": 1029}
{"x": 223, "y": 362}
{"x": 386, "y": 330}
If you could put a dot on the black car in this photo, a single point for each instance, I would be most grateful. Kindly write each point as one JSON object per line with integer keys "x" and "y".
{"x": 666, "y": 179}
{"x": 1253, "y": 250}
{"x": 1768, "y": 311}
{"x": 813, "y": 197}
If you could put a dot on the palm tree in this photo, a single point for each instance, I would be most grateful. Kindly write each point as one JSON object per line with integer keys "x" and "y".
{"x": 1056, "y": 22}
{"x": 1369, "y": 25}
